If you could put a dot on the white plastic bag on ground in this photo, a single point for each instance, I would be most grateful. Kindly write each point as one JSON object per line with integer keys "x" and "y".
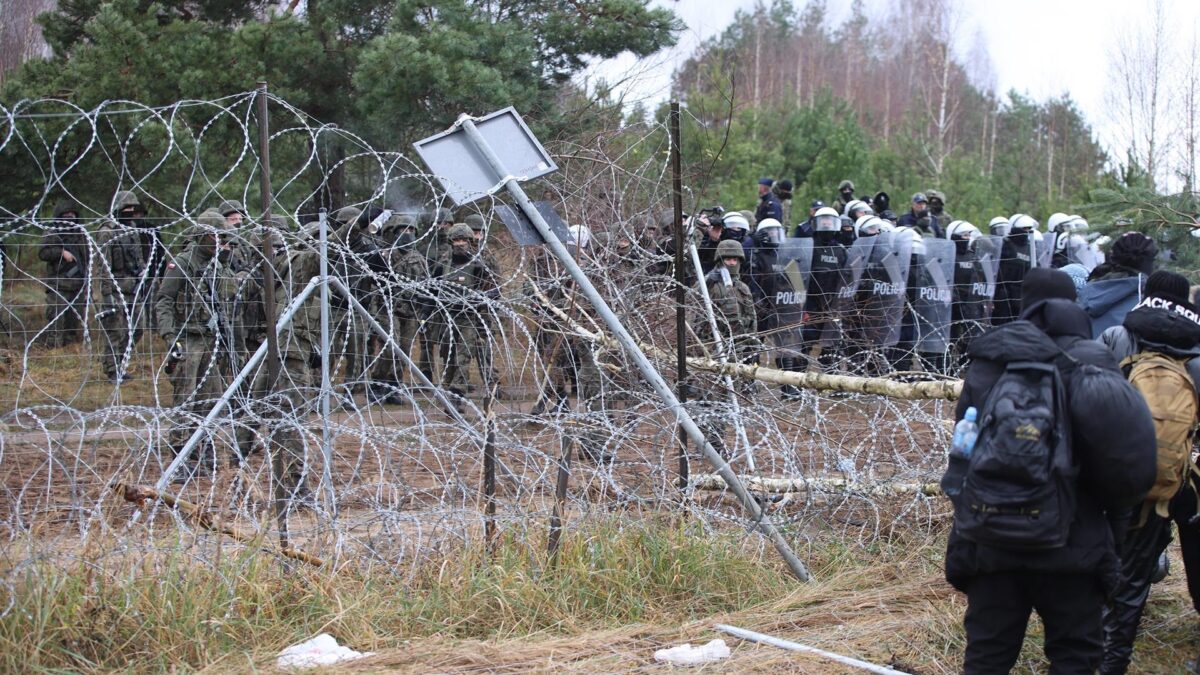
{"x": 687, "y": 655}
{"x": 323, "y": 650}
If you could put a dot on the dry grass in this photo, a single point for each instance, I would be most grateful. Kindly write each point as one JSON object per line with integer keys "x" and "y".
{"x": 619, "y": 593}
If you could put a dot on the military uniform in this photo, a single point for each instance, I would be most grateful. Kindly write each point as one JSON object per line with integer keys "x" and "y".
{"x": 294, "y": 395}
{"x": 66, "y": 280}
{"x": 400, "y": 311}
{"x": 250, "y": 324}
{"x": 733, "y": 307}
{"x": 125, "y": 282}
{"x": 478, "y": 228}
{"x": 432, "y": 327}
{"x": 466, "y": 332}
{"x": 194, "y": 305}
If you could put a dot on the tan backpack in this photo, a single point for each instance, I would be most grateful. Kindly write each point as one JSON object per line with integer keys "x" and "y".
{"x": 1171, "y": 395}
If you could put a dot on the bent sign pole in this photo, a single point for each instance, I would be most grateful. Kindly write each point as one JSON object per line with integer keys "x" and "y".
{"x": 501, "y": 176}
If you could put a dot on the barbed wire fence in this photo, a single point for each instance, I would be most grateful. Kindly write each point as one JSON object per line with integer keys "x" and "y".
{"x": 395, "y": 474}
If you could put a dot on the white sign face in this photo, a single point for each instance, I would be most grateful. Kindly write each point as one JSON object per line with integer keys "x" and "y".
{"x": 463, "y": 171}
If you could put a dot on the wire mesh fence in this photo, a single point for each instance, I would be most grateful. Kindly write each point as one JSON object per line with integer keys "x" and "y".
{"x": 134, "y": 322}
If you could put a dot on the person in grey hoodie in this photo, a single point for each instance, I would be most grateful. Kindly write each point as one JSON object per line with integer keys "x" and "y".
{"x": 1116, "y": 286}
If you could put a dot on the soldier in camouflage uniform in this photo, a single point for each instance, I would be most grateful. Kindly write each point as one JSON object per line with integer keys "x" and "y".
{"x": 350, "y": 338}
{"x": 194, "y": 305}
{"x": 733, "y": 305}
{"x": 479, "y": 229}
{"x": 408, "y": 268}
{"x": 294, "y": 396}
{"x": 433, "y": 326}
{"x": 65, "y": 251}
{"x": 464, "y": 277}
{"x": 126, "y": 277}
{"x": 250, "y": 320}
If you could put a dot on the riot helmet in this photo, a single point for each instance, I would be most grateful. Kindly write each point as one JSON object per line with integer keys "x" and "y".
{"x": 769, "y": 233}
{"x": 1057, "y": 222}
{"x": 999, "y": 226}
{"x": 868, "y": 226}
{"x": 826, "y": 219}
{"x": 918, "y": 240}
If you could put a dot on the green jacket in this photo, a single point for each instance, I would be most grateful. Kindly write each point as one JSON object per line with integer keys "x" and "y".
{"x": 196, "y": 297}
{"x": 122, "y": 250}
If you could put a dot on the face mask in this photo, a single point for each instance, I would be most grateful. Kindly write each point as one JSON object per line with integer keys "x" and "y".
{"x": 847, "y": 195}
{"x": 405, "y": 241}
{"x": 935, "y": 209}
{"x": 224, "y": 255}
{"x": 206, "y": 246}
{"x": 1019, "y": 238}
{"x": 961, "y": 245}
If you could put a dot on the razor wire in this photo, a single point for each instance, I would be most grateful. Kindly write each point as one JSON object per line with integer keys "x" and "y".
{"x": 399, "y": 482}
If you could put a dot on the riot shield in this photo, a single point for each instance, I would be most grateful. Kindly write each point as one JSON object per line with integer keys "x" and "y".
{"x": 987, "y": 261}
{"x": 857, "y": 257}
{"x": 933, "y": 281}
{"x": 873, "y": 314}
{"x": 793, "y": 266}
{"x": 1078, "y": 250}
{"x": 1043, "y": 251}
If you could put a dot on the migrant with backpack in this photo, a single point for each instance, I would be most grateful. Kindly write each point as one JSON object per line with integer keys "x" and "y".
{"x": 1063, "y": 441}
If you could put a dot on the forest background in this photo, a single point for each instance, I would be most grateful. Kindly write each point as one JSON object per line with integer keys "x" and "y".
{"x": 893, "y": 102}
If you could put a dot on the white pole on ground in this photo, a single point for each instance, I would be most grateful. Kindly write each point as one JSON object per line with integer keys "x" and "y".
{"x": 797, "y": 647}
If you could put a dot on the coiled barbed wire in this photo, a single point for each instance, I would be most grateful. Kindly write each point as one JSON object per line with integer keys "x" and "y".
{"x": 402, "y": 479}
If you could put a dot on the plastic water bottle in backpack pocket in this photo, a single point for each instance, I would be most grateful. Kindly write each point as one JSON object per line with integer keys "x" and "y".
{"x": 1019, "y": 488}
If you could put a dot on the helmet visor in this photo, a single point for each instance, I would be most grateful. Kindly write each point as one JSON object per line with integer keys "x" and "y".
{"x": 827, "y": 223}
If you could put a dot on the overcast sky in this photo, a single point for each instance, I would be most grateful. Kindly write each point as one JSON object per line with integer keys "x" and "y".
{"x": 1038, "y": 47}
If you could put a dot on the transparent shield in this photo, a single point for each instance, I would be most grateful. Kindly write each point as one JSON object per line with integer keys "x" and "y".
{"x": 933, "y": 279}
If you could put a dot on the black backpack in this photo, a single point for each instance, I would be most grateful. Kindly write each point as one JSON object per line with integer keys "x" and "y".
{"x": 1018, "y": 489}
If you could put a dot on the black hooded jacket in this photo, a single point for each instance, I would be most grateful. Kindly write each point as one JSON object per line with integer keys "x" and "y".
{"x": 1049, "y": 331}
{"x": 1158, "y": 325}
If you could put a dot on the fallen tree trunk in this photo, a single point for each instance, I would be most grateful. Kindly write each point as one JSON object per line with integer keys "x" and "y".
{"x": 712, "y": 481}
{"x": 948, "y": 390}
{"x": 139, "y": 493}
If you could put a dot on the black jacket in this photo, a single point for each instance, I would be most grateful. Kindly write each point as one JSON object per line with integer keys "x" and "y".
{"x": 769, "y": 206}
{"x": 928, "y": 223}
{"x": 1015, "y": 262}
{"x": 1049, "y": 329}
{"x": 1158, "y": 326}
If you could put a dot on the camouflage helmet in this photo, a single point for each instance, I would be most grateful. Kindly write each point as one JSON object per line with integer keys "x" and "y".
{"x": 442, "y": 216}
{"x": 730, "y": 249}
{"x": 231, "y": 206}
{"x": 125, "y": 199}
{"x": 276, "y": 225}
{"x": 935, "y": 194}
{"x": 398, "y": 221}
{"x": 846, "y": 185}
{"x": 460, "y": 231}
{"x": 347, "y": 214}
{"x": 475, "y": 222}
{"x": 65, "y": 206}
{"x": 209, "y": 222}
